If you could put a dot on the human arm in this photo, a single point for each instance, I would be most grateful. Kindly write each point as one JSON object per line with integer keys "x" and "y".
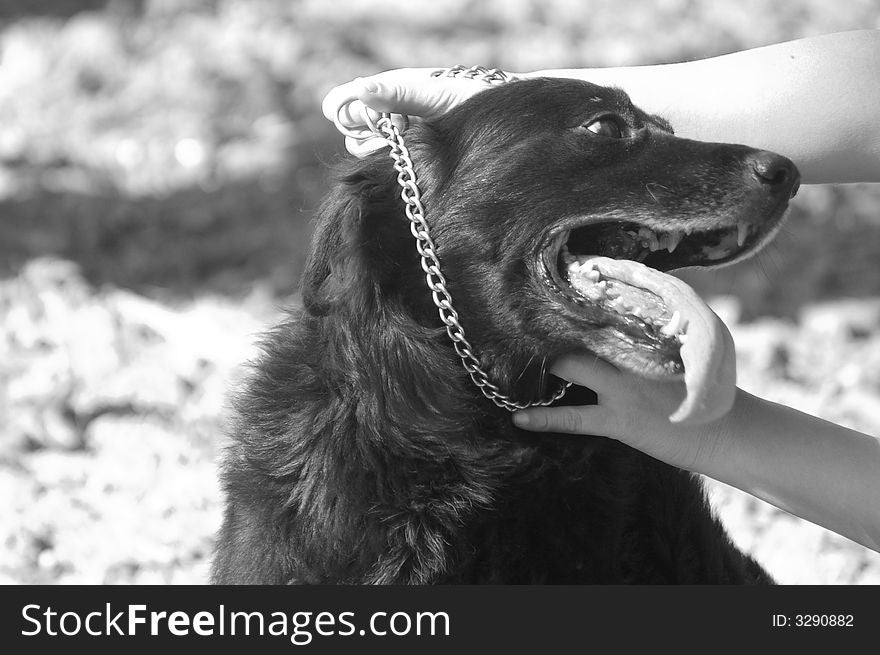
{"x": 816, "y": 100}
{"x": 809, "y": 467}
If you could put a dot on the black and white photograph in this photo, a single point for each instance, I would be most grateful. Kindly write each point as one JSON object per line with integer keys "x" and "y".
{"x": 522, "y": 292}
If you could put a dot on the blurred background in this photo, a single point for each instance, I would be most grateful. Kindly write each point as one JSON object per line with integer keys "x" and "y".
{"x": 160, "y": 162}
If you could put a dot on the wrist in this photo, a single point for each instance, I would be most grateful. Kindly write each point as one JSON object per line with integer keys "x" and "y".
{"x": 722, "y": 455}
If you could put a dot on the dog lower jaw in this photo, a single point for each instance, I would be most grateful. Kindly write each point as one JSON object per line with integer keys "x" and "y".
{"x": 673, "y": 320}
{"x": 638, "y": 331}
{"x": 612, "y": 294}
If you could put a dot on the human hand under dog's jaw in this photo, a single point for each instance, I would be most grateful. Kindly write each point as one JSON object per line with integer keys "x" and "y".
{"x": 809, "y": 467}
{"x": 631, "y": 409}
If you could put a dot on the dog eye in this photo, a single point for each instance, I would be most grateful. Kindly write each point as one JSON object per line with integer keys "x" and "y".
{"x": 607, "y": 126}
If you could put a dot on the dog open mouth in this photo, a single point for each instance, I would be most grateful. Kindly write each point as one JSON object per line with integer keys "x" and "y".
{"x": 663, "y": 250}
{"x": 618, "y": 270}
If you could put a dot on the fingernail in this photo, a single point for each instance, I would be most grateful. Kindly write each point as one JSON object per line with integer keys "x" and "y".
{"x": 370, "y": 87}
{"x": 520, "y": 419}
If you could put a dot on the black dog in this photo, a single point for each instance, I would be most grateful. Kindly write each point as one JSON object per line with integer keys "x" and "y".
{"x": 363, "y": 452}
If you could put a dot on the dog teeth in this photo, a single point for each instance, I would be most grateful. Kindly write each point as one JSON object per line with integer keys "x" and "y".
{"x": 672, "y": 240}
{"x": 648, "y": 238}
{"x": 742, "y": 232}
{"x": 578, "y": 267}
{"x": 673, "y": 325}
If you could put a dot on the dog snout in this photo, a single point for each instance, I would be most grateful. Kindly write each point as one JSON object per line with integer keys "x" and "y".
{"x": 775, "y": 172}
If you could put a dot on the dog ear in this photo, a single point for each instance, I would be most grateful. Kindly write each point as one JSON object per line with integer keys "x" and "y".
{"x": 354, "y": 245}
{"x": 362, "y": 248}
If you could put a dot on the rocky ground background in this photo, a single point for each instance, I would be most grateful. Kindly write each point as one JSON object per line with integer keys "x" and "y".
{"x": 159, "y": 165}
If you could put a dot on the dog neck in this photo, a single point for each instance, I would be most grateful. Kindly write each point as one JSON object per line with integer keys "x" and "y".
{"x": 388, "y": 403}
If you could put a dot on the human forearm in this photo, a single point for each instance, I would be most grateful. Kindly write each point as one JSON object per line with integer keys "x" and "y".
{"x": 812, "y": 468}
{"x": 815, "y": 100}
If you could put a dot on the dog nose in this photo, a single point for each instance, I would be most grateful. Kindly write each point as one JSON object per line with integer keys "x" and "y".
{"x": 775, "y": 171}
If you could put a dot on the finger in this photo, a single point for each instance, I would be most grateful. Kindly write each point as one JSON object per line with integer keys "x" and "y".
{"x": 354, "y": 119}
{"x": 430, "y": 96}
{"x": 351, "y": 114}
{"x": 586, "y": 419}
{"x": 340, "y": 96}
{"x": 709, "y": 358}
{"x": 588, "y": 371}
{"x": 364, "y": 147}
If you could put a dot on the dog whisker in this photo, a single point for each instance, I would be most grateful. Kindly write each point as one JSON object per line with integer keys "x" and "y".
{"x": 525, "y": 368}
{"x": 762, "y": 266}
{"x": 648, "y": 188}
{"x": 542, "y": 380}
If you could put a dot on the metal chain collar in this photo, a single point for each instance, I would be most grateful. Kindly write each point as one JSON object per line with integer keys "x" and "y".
{"x": 415, "y": 212}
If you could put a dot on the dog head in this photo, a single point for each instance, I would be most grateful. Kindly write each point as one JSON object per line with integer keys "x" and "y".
{"x": 525, "y": 184}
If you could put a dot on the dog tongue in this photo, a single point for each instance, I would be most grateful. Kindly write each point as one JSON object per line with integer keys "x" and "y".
{"x": 708, "y": 352}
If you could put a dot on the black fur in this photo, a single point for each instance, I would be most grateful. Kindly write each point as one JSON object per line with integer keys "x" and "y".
{"x": 362, "y": 451}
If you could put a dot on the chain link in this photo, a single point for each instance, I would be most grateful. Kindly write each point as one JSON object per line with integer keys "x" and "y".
{"x": 479, "y": 73}
{"x": 415, "y": 212}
